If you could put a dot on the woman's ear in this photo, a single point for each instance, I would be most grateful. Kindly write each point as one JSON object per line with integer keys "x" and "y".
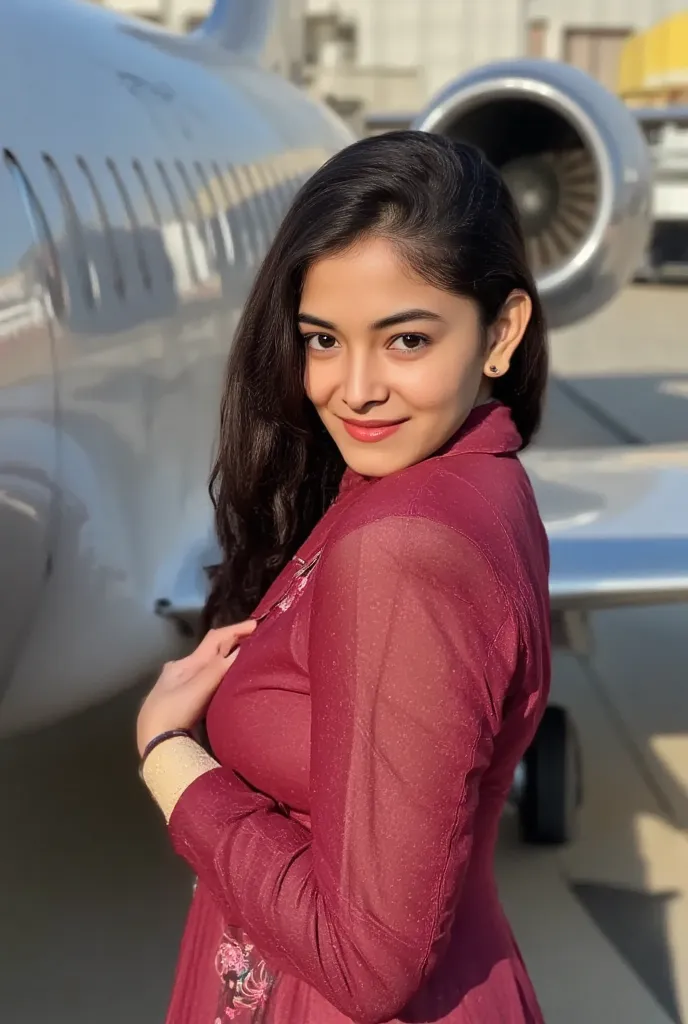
{"x": 505, "y": 334}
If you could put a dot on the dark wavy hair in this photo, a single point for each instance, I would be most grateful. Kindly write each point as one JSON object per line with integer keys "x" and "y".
{"x": 453, "y": 220}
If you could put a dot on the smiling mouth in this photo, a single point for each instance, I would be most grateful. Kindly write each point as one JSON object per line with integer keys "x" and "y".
{"x": 372, "y": 430}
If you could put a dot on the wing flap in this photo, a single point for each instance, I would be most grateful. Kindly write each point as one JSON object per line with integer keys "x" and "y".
{"x": 617, "y": 521}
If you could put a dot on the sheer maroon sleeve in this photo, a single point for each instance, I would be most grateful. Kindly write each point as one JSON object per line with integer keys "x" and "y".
{"x": 412, "y": 648}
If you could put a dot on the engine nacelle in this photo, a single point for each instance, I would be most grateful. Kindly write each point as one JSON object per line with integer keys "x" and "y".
{"x": 577, "y": 165}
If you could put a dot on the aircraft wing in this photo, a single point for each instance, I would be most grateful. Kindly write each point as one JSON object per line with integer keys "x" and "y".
{"x": 617, "y": 521}
{"x": 658, "y": 116}
{"x": 616, "y": 518}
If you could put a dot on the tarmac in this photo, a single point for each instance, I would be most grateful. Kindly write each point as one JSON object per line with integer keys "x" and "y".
{"x": 92, "y": 900}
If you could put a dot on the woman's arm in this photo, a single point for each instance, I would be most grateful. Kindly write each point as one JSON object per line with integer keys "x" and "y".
{"x": 412, "y": 648}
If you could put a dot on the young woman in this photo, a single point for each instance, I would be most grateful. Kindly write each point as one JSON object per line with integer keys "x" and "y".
{"x": 377, "y": 525}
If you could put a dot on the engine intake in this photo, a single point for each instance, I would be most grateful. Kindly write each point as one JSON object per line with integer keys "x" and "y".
{"x": 577, "y": 165}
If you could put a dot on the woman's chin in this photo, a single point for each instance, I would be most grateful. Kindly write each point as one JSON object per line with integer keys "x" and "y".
{"x": 378, "y": 460}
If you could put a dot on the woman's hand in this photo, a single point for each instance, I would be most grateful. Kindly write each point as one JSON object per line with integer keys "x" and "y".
{"x": 184, "y": 687}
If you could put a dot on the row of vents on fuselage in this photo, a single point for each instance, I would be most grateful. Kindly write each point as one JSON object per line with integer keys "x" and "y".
{"x": 244, "y": 204}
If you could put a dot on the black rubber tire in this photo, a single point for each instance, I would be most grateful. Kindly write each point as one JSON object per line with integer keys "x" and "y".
{"x": 552, "y": 791}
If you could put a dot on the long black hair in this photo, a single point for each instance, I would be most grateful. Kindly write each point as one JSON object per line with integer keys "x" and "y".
{"x": 277, "y": 470}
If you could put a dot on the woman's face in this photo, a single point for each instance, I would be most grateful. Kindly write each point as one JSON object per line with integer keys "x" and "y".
{"x": 394, "y": 365}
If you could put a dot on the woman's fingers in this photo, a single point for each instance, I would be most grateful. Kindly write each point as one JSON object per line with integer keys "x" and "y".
{"x": 218, "y": 641}
{"x": 207, "y": 679}
{"x": 230, "y": 635}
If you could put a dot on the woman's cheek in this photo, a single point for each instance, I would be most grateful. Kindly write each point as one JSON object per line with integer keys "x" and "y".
{"x": 447, "y": 382}
{"x": 431, "y": 387}
{"x": 320, "y": 381}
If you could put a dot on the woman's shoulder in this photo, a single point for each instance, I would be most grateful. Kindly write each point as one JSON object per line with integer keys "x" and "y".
{"x": 451, "y": 491}
{"x": 474, "y": 511}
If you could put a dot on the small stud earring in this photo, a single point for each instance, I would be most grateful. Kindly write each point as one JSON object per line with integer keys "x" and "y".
{"x": 494, "y": 369}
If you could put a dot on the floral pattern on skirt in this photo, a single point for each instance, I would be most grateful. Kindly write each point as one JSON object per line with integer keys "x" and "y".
{"x": 246, "y": 981}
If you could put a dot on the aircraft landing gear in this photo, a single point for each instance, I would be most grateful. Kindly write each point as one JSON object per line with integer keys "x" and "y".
{"x": 549, "y": 783}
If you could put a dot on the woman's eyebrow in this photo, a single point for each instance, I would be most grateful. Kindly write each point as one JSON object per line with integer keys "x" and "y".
{"x": 404, "y": 317}
{"x": 314, "y": 321}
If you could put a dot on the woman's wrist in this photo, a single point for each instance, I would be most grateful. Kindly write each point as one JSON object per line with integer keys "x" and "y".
{"x": 161, "y": 737}
{"x": 171, "y": 765}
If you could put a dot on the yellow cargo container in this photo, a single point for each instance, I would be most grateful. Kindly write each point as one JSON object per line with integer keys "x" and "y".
{"x": 654, "y": 64}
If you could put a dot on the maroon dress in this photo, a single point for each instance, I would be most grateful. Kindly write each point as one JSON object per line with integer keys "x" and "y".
{"x": 368, "y": 734}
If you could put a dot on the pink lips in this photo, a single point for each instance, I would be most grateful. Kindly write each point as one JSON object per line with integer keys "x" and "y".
{"x": 372, "y": 430}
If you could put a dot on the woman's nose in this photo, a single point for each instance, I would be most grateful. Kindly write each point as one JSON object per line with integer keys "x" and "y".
{"x": 364, "y": 384}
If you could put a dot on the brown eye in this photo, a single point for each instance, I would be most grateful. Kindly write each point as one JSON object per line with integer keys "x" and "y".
{"x": 410, "y": 343}
{"x": 321, "y": 342}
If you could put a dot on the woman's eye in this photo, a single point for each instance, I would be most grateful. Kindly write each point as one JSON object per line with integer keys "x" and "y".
{"x": 321, "y": 342}
{"x": 410, "y": 343}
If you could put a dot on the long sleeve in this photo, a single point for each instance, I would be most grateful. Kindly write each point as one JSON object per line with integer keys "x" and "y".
{"x": 412, "y": 648}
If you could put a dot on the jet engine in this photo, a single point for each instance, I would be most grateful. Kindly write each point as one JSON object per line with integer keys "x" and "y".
{"x": 577, "y": 166}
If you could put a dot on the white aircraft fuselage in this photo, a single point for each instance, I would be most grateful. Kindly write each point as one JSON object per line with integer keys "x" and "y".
{"x": 142, "y": 177}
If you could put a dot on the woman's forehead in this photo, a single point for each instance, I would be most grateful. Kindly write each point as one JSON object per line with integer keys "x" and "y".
{"x": 370, "y": 282}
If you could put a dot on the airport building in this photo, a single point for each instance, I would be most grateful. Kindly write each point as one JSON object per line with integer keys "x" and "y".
{"x": 594, "y": 34}
{"x": 379, "y": 56}
{"x": 372, "y": 58}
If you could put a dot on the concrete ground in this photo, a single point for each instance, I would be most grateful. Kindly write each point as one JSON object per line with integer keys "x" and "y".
{"x": 92, "y": 901}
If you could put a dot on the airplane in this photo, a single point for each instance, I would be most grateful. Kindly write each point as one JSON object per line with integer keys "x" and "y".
{"x": 143, "y": 175}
